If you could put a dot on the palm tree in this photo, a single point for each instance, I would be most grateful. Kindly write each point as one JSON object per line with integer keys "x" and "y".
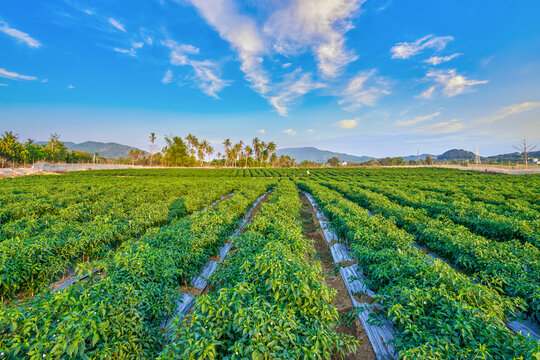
{"x": 261, "y": 152}
{"x": 271, "y": 147}
{"x": 227, "y": 144}
{"x": 209, "y": 150}
{"x": 237, "y": 149}
{"x": 256, "y": 147}
{"x": 201, "y": 150}
{"x": 193, "y": 143}
{"x": 152, "y": 142}
{"x": 247, "y": 151}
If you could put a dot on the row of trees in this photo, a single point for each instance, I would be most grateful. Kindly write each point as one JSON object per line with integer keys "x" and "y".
{"x": 14, "y": 152}
{"x": 190, "y": 151}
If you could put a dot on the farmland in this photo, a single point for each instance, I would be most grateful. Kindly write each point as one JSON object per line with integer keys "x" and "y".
{"x": 106, "y": 264}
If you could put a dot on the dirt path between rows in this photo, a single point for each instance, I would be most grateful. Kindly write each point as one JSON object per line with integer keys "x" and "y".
{"x": 333, "y": 279}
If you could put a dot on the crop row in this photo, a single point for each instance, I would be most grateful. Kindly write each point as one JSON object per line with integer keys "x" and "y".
{"x": 475, "y": 216}
{"x": 510, "y": 266}
{"x": 270, "y": 300}
{"x": 117, "y": 315}
{"x": 438, "y": 312}
{"x": 29, "y": 263}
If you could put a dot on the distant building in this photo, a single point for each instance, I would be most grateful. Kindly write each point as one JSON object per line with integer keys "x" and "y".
{"x": 344, "y": 163}
{"x": 533, "y": 161}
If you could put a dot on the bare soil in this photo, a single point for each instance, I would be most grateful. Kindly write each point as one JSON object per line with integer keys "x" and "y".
{"x": 333, "y": 279}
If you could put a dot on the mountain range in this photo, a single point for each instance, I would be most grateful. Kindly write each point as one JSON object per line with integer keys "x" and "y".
{"x": 106, "y": 150}
{"x": 319, "y": 156}
{"x": 322, "y": 156}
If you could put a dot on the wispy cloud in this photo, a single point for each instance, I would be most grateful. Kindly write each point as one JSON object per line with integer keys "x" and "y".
{"x": 14, "y": 76}
{"x": 206, "y": 73}
{"x": 511, "y": 110}
{"x": 319, "y": 25}
{"x": 428, "y": 94}
{"x": 2, "y": 84}
{"x": 71, "y": 87}
{"x": 296, "y": 27}
{"x": 289, "y": 131}
{"x": 261, "y": 131}
{"x": 130, "y": 52}
{"x": 117, "y": 24}
{"x": 167, "y": 78}
{"x": 405, "y": 50}
{"x": 452, "y": 83}
{"x": 310, "y": 131}
{"x": 443, "y": 127}
{"x": 364, "y": 89}
{"x": 295, "y": 85}
{"x": 436, "y": 60}
{"x": 244, "y": 36}
{"x": 418, "y": 119}
{"x": 347, "y": 124}
{"x": 19, "y": 35}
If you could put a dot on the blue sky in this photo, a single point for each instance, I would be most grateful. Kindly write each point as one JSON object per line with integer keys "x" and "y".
{"x": 373, "y": 77}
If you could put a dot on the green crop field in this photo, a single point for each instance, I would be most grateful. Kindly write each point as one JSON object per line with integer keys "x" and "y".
{"x": 97, "y": 264}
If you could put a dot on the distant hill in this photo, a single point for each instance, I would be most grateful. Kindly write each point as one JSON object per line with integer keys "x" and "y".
{"x": 319, "y": 156}
{"x": 456, "y": 154}
{"x": 417, "y": 157}
{"x": 106, "y": 150}
{"x": 513, "y": 156}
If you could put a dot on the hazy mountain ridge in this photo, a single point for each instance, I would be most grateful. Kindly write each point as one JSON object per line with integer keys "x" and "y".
{"x": 319, "y": 156}
{"x": 322, "y": 156}
{"x": 107, "y": 150}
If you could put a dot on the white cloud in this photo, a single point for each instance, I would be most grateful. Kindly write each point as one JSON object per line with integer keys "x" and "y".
{"x": 452, "y": 83}
{"x": 295, "y": 85}
{"x": 71, "y": 87}
{"x": 130, "y": 52}
{"x": 2, "y": 84}
{"x": 364, "y": 89}
{"x": 117, "y": 24}
{"x": 347, "y": 124}
{"x": 19, "y": 35}
{"x": 167, "y": 78}
{"x": 444, "y": 127}
{"x": 511, "y": 110}
{"x": 428, "y": 94}
{"x": 242, "y": 33}
{"x": 316, "y": 24}
{"x": 418, "y": 119}
{"x": 207, "y": 75}
{"x": 137, "y": 45}
{"x": 89, "y": 12}
{"x": 289, "y": 131}
{"x": 147, "y": 38}
{"x": 436, "y": 60}
{"x": 405, "y": 50}
{"x": 14, "y": 76}
{"x": 45, "y": 81}
{"x": 262, "y": 131}
{"x": 311, "y": 131}
{"x": 300, "y": 25}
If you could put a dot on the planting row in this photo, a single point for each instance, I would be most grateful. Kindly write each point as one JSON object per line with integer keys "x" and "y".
{"x": 117, "y": 313}
{"x": 30, "y": 262}
{"x": 269, "y": 299}
{"x": 438, "y": 312}
{"x": 510, "y": 266}
{"x": 478, "y": 217}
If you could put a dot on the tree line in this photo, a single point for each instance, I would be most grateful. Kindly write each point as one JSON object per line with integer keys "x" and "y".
{"x": 13, "y": 152}
{"x": 192, "y": 151}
